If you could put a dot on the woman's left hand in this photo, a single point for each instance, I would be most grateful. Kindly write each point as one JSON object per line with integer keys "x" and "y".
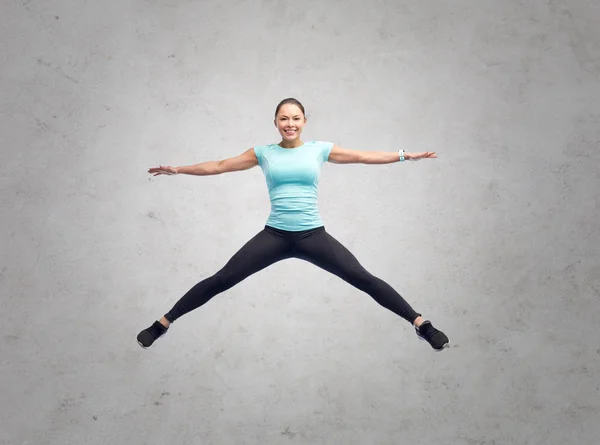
{"x": 417, "y": 156}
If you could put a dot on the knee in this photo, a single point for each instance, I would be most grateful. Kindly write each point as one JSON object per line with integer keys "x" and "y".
{"x": 364, "y": 281}
{"x": 223, "y": 280}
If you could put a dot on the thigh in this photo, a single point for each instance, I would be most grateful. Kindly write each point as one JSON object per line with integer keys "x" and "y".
{"x": 326, "y": 252}
{"x": 259, "y": 252}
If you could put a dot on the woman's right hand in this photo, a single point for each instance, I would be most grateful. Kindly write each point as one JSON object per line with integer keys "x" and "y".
{"x": 163, "y": 170}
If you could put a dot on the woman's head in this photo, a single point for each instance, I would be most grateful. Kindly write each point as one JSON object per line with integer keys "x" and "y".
{"x": 290, "y": 119}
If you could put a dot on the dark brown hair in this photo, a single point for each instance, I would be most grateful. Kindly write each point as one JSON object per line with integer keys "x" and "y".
{"x": 291, "y": 101}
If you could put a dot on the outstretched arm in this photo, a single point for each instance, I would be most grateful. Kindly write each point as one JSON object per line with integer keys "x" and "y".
{"x": 244, "y": 161}
{"x": 339, "y": 155}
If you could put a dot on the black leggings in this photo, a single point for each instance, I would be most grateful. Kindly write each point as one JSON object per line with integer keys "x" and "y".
{"x": 271, "y": 245}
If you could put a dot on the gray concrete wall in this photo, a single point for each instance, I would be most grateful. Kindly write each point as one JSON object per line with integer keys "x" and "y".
{"x": 496, "y": 241}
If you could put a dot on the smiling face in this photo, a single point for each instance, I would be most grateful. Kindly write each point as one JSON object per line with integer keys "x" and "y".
{"x": 289, "y": 121}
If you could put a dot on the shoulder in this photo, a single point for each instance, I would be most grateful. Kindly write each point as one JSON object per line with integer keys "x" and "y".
{"x": 260, "y": 149}
{"x": 261, "y": 152}
{"x": 323, "y": 148}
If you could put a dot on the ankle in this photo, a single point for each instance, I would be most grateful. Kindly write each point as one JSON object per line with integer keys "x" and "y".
{"x": 166, "y": 323}
{"x": 418, "y": 321}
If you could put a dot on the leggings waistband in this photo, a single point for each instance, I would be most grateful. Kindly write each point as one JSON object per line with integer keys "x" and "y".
{"x": 288, "y": 233}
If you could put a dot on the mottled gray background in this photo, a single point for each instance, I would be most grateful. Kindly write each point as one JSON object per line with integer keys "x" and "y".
{"x": 496, "y": 241}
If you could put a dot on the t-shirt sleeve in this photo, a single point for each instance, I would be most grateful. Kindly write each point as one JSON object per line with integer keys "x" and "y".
{"x": 326, "y": 149}
{"x": 258, "y": 151}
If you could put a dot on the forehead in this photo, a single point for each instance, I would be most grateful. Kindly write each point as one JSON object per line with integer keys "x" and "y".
{"x": 289, "y": 110}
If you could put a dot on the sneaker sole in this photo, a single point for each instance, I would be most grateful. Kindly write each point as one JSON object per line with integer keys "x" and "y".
{"x": 445, "y": 346}
{"x": 146, "y": 347}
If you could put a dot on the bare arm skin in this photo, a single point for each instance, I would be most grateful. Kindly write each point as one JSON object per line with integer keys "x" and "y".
{"x": 339, "y": 155}
{"x": 245, "y": 161}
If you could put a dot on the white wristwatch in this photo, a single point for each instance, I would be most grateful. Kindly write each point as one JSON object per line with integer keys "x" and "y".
{"x": 401, "y": 153}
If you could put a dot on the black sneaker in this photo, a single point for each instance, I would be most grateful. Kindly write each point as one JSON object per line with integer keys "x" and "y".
{"x": 437, "y": 339}
{"x": 148, "y": 336}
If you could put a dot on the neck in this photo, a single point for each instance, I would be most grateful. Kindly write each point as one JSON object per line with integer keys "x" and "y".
{"x": 291, "y": 144}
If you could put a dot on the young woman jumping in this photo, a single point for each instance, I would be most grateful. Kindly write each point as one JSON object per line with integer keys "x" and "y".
{"x": 294, "y": 228}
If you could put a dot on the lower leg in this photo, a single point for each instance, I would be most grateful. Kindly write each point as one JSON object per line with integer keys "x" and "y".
{"x": 387, "y": 296}
{"x": 197, "y": 296}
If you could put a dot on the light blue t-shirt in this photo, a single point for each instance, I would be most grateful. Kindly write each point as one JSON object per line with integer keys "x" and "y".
{"x": 292, "y": 176}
